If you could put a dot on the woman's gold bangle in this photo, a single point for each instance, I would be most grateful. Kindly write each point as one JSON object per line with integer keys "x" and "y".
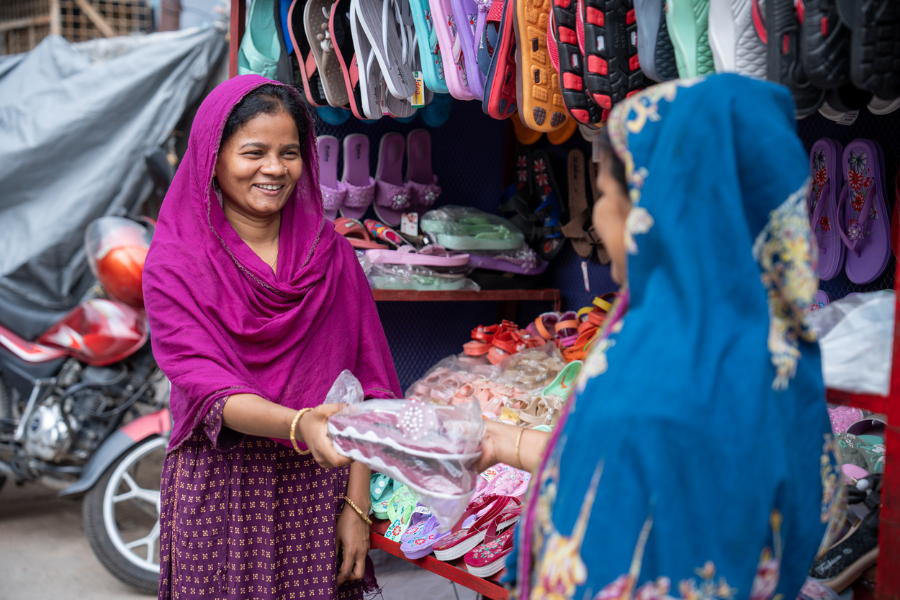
{"x": 518, "y": 442}
{"x": 359, "y": 512}
{"x": 299, "y": 414}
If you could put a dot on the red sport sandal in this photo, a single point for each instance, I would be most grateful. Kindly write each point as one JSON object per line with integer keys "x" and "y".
{"x": 568, "y": 60}
{"x": 500, "y": 79}
{"x": 612, "y": 70}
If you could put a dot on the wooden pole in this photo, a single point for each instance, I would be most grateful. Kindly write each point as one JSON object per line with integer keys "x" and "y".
{"x": 96, "y": 18}
{"x": 236, "y": 34}
{"x": 55, "y": 18}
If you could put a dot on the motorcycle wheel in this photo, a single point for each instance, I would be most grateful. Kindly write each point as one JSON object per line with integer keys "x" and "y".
{"x": 121, "y": 515}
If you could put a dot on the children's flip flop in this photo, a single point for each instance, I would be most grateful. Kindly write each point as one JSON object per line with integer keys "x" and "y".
{"x": 382, "y": 232}
{"x": 357, "y": 234}
{"x": 579, "y": 213}
{"x": 260, "y": 50}
{"x": 500, "y": 78}
{"x": 827, "y": 182}
{"x": 863, "y": 225}
{"x": 538, "y": 96}
{"x": 316, "y": 16}
{"x": 339, "y": 28}
{"x": 825, "y": 44}
{"x": 333, "y": 191}
{"x": 421, "y": 181}
{"x": 783, "y": 61}
{"x": 309, "y": 71}
{"x": 368, "y": 68}
{"x": 655, "y": 49}
{"x": 821, "y": 299}
{"x": 400, "y": 512}
{"x": 359, "y": 184}
{"x": 420, "y": 536}
{"x": 432, "y": 67}
{"x": 733, "y": 40}
{"x": 451, "y": 50}
{"x": 875, "y": 47}
{"x": 612, "y": 68}
{"x": 465, "y": 15}
{"x": 392, "y": 197}
{"x": 384, "y": 23}
{"x": 688, "y": 24}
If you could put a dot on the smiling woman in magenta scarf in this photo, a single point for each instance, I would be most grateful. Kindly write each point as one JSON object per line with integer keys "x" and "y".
{"x": 246, "y": 516}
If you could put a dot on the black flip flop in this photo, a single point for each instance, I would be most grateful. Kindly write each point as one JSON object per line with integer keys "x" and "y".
{"x": 784, "y": 64}
{"x": 875, "y": 47}
{"x": 825, "y": 45}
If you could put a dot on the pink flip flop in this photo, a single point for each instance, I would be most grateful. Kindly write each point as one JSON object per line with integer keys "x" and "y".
{"x": 863, "y": 226}
{"x": 356, "y": 179}
{"x": 827, "y": 181}
{"x": 460, "y": 541}
{"x": 420, "y": 178}
{"x": 333, "y": 191}
{"x": 391, "y": 194}
{"x": 490, "y": 557}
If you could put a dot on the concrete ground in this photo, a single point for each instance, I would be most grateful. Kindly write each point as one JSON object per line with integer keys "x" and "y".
{"x": 44, "y": 554}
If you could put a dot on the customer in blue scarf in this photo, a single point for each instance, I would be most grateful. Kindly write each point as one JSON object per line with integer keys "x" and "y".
{"x": 696, "y": 459}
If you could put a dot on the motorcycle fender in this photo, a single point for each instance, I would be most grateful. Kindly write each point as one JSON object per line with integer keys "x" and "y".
{"x": 157, "y": 423}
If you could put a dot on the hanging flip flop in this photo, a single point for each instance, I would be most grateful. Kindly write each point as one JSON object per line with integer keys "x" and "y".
{"x": 863, "y": 224}
{"x": 688, "y": 24}
{"x": 549, "y": 212}
{"x": 579, "y": 213}
{"x": 784, "y": 65}
{"x": 524, "y": 134}
{"x": 498, "y": 50}
{"x": 309, "y": 71}
{"x": 333, "y": 191}
{"x": 735, "y": 45}
{"x": 402, "y": 108}
{"x": 875, "y": 47}
{"x": 392, "y": 197}
{"x": 339, "y": 28}
{"x": 420, "y": 178}
{"x": 612, "y": 69}
{"x": 432, "y": 66}
{"x": 538, "y": 96}
{"x": 260, "y": 49}
{"x": 827, "y": 183}
{"x": 465, "y": 15}
{"x": 825, "y": 44}
{"x": 655, "y": 49}
{"x": 450, "y": 47}
{"x": 356, "y": 179}
{"x": 383, "y": 22}
{"x": 316, "y": 16}
{"x": 368, "y": 69}
{"x": 284, "y": 72}
{"x": 560, "y": 136}
{"x": 567, "y": 59}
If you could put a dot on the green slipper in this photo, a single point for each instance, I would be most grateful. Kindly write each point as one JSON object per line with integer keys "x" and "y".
{"x": 564, "y": 383}
{"x": 260, "y": 49}
{"x": 381, "y": 490}
{"x": 687, "y": 22}
{"x": 400, "y": 511}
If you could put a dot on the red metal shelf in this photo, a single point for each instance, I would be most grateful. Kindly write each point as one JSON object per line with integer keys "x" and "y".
{"x": 542, "y": 295}
{"x": 454, "y": 571}
{"x": 864, "y": 401}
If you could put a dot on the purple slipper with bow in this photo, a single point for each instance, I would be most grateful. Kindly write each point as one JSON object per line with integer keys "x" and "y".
{"x": 392, "y": 197}
{"x": 420, "y": 536}
{"x": 333, "y": 191}
{"x": 827, "y": 181}
{"x": 421, "y": 182}
{"x": 864, "y": 227}
{"x": 358, "y": 184}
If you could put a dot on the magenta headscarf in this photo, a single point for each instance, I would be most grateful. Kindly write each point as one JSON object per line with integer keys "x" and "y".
{"x": 222, "y": 323}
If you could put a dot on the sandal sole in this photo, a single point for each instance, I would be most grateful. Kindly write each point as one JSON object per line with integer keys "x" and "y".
{"x": 784, "y": 64}
{"x": 571, "y": 64}
{"x": 875, "y": 48}
{"x": 500, "y": 91}
{"x": 655, "y": 48}
{"x": 538, "y": 96}
{"x": 612, "y": 69}
{"x": 311, "y": 85}
{"x": 316, "y": 23}
{"x": 688, "y": 23}
{"x": 825, "y": 45}
{"x": 735, "y": 45}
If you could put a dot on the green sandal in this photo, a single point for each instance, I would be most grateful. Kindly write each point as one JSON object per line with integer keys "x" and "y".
{"x": 564, "y": 383}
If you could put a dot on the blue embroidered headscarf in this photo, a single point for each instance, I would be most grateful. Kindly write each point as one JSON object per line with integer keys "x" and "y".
{"x": 696, "y": 460}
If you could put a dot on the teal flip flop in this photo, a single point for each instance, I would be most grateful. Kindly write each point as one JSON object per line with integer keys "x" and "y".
{"x": 564, "y": 383}
{"x": 260, "y": 49}
{"x": 688, "y": 22}
{"x": 381, "y": 490}
{"x": 400, "y": 511}
{"x": 432, "y": 67}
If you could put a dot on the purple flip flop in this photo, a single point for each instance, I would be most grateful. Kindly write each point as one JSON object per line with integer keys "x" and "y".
{"x": 420, "y": 536}
{"x": 864, "y": 227}
{"x": 333, "y": 191}
{"x": 821, "y": 299}
{"x": 392, "y": 198}
{"x": 359, "y": 184}
{"x": 827, "y": 181}
{"x": 420, "y": 178}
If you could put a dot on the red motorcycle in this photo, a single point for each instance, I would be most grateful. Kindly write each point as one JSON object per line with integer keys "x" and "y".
{"x": 84, "y": 407}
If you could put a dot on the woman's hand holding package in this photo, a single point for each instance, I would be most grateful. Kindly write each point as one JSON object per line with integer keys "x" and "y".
{"x": 517, "y": 447}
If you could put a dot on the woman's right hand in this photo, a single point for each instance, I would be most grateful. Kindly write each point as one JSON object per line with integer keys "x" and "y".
{"x": 313, "y": 428}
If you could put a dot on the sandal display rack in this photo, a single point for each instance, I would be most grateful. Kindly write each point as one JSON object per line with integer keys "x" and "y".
{"x": 470, "y": 150}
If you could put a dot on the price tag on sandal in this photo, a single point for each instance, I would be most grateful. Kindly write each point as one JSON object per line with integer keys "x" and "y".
{"x": 418, "y": 98}
{"x": 409, "y": 224}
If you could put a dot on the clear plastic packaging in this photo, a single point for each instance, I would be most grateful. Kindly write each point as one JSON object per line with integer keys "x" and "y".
{"x": 532, "y": 370}
{"x": 856, "y": 337}
{"x": 441, "y": 383}
{"x": 430, "y": 448}
{"x": 411, "y": 277}
{"x": 469, "y": 229}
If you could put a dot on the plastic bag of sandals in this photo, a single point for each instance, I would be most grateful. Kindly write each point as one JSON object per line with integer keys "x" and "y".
{"x": 441, "y": 383}
{"x": 531, "y": 370}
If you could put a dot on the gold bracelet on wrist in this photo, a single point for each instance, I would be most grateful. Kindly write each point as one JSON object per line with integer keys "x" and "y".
{"x": 518, "y": 442}
{"x": 359, "y": 512}
{"x": 299, "y": 414}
